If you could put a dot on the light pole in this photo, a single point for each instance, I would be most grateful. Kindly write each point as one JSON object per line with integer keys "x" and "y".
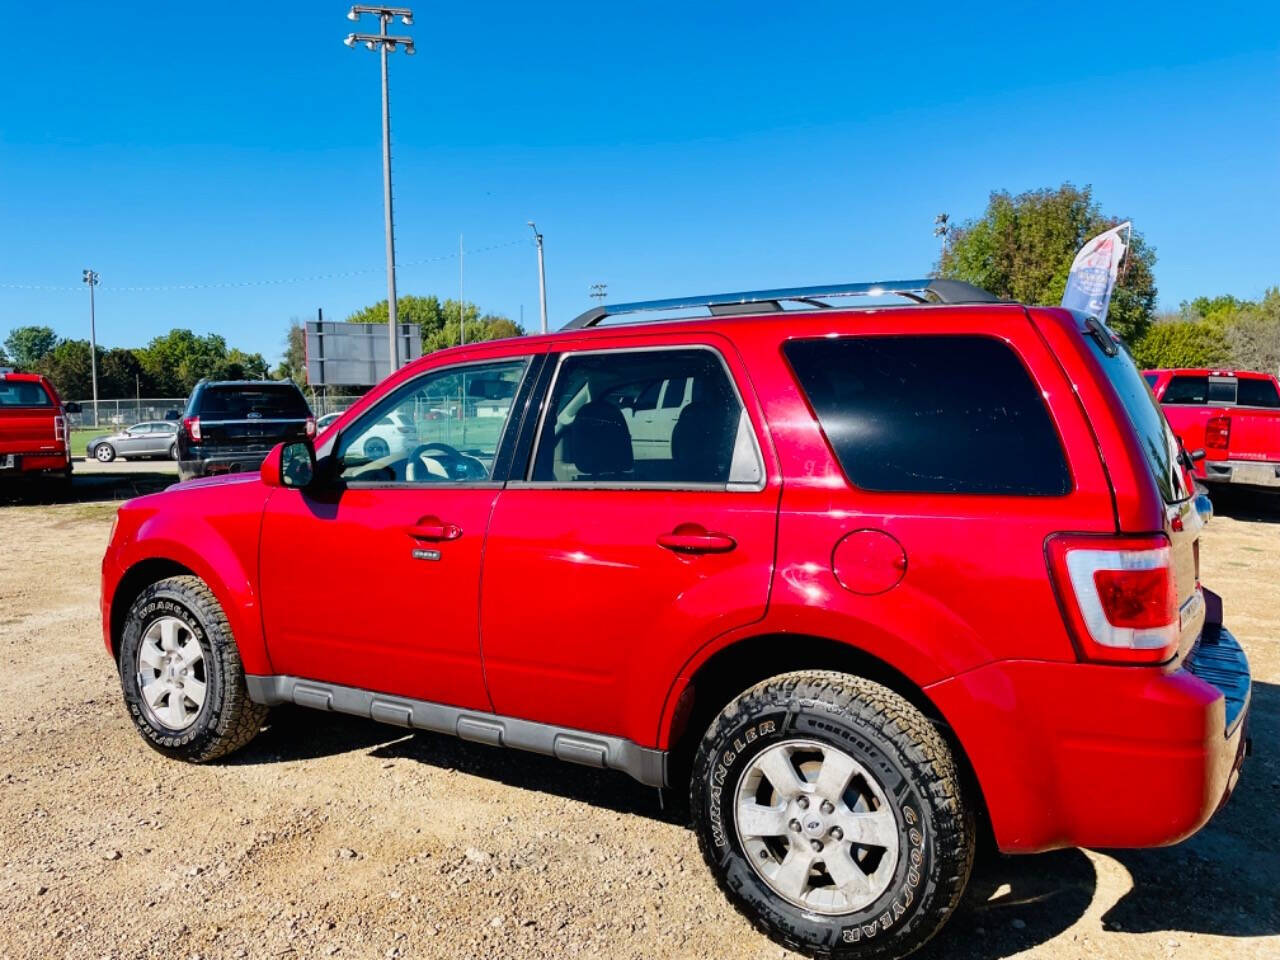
{"x": 599, "y": 291}
{"x": 385, "y": 43}
{"x": 91, "y": 278}
{"x": 542, "y": 276}
{"x": 942, "y": 229}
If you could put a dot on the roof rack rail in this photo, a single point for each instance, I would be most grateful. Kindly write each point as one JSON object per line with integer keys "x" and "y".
{"x": 931, "y": 290}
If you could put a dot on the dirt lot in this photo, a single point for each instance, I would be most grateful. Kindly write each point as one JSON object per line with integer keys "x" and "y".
{"x": 331, "y": 836}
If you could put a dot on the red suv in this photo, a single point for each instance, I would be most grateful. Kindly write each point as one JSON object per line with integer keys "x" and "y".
{"x": 857, "y": 579}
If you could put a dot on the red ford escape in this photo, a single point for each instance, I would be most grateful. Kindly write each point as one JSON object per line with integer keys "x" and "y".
{"x": 857, "y": 579}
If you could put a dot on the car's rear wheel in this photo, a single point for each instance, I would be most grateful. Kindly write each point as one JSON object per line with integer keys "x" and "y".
{"x": 173, "y": 451}
{"x": 104, "y": 453}
{"x": 830, "y": 811}
{"x": 181, "y": 674}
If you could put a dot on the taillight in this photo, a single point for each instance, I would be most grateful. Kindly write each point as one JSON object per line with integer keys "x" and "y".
{"x": 1119, "y": 596}
{"x": 1217, "y": 433}
{"x": 59, "y": 428}
{"x": 192, "y": 426}
{"x": 311, "y": 426}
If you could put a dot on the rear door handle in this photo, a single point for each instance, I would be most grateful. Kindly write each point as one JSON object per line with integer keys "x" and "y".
{"x": 433, "y": 528}
{"x": 692, "y": 538}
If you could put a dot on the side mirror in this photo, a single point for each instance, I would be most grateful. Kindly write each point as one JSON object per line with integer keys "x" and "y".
{"x": 291, "y": 464}
{"x": 71, "y": 407}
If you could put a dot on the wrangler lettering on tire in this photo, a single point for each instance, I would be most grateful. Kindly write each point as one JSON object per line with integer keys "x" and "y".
{"x": 830, "y": 811}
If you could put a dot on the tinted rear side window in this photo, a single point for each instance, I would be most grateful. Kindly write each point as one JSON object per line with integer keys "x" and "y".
{"x": 253, "y": 403}
{"x": 1257, "y": 393}
{"x": 932, "y": 414}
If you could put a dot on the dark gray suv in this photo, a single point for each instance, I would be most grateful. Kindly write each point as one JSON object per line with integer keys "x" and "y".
{"x": 231, "y": 425}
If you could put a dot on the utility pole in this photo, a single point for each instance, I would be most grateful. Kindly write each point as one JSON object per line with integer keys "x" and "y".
{"x": 385, "y": 43}
{"x": 462, "y": 311}
{"x": 91, "y": 278}
{"x": 942, "y": 229}
{"x": 542, "y": 276}
{"x": 599, "y": 291}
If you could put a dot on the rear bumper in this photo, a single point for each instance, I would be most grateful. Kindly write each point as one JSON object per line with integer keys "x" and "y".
{"x": 1071, "y": 754}
{"x": 217, "y": 462}
{"x": 1249, "y": 473}
{"x": 30, "y": 466}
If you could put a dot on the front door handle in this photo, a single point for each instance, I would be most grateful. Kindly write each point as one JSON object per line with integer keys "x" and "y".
{"x": 433, "y": 528}
{"x": 694, "y": 538}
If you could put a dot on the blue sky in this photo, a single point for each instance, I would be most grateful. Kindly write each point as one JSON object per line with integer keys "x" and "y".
{"x": 662, "y": 148}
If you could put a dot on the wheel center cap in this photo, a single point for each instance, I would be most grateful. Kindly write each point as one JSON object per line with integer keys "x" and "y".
{"x": 813, "y": 826}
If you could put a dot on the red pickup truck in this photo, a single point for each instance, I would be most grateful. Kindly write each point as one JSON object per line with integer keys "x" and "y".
{"x": 1232, "y": 415}
{"x": 34, "y": 443}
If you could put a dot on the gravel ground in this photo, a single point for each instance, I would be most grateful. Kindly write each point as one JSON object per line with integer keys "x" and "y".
{"x": 331, "y": 836}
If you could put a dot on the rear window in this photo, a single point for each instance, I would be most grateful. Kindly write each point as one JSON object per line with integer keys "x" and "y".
{"x": 253, "y": 403}
{"x": 932, "y": 414}
{"x": 23, "y": 393}
{"x": 1257, "y": 393}
{"x": 1159, "y": 445}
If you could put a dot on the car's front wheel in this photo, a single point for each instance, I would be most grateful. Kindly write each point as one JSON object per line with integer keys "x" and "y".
{"x": 830, "y": 811}
{"x": 104, "y": 453}
{"x": 181, "y": 674}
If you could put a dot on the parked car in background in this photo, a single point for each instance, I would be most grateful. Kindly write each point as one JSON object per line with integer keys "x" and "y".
{"x": 230, "y": 425}
{"x": 878, "y": 582}
{"x": 1233, "y": 416}
{"x": 323, "y": 422}
{"x": 149, "y": 439}
{"x": 34, "y": 442}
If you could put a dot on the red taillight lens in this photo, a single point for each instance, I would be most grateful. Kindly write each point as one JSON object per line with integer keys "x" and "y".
{"x": 59, "y": 428}
{"x": 1119, "y": 596}
{"x": 1137, "y": 599}
{"x": 192, "y": 426}
{"x": 1217, "y": 433}
{"x": 311, "y": 426}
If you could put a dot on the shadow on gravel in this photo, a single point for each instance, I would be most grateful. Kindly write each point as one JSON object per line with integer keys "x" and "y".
{"x": 1222, "y": 881}
{"x": 89, "y": 488}
{"x": 1253, "y": 505}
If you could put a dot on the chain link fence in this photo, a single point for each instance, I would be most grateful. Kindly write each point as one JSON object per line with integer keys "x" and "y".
{"x": 114, "y": 414}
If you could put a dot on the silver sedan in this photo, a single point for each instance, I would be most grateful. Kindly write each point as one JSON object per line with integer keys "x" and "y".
{"x": 153, "y": 438}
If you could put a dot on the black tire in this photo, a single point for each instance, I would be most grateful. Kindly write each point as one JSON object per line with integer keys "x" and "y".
{"x": 173, "y": 451}
{"x": 104, "y": 453}
{"x": 917, "y": 774}
{"x": 228, "y": 719}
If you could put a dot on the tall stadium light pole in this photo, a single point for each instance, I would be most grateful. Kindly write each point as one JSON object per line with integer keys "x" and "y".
{"x": 542, "y": 276}
{"x": 942, "y": 229}
{"x": 91, "y": 278}
{"x": 384, "y": 43}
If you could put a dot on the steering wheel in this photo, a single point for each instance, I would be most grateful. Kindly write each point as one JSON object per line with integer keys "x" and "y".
{"x": 451, "y": 458}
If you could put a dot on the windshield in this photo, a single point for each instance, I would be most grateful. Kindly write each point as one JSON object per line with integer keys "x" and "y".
{"x": 23, "y": 393}
{"x": 1159, "y": 445}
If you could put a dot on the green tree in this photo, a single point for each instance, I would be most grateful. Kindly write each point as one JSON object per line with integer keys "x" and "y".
{"x": 68, "y": 366}
{"x": 1182, "y": 343}
{"x": 120, "y": 375}
{"x": 178, "y": 360}
{"x": 1253, "y": 334}
{"x": 293, "y": 365}
{"x": 28, "y": 344}
{"x": 438, "y": 321}
{"x": 4, "y": 358}
{"x": 1021, "y": 248}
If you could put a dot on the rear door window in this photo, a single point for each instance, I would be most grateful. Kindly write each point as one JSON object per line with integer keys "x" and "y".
{"x": 932, "y": 414}
{"x": 1159, "y": 445}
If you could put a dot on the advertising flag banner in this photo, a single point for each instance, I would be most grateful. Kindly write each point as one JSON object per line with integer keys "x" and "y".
{"x": 1093, "y": 273}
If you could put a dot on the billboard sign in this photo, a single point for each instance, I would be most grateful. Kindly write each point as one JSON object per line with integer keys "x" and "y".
{"x": 355, "y": 354}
